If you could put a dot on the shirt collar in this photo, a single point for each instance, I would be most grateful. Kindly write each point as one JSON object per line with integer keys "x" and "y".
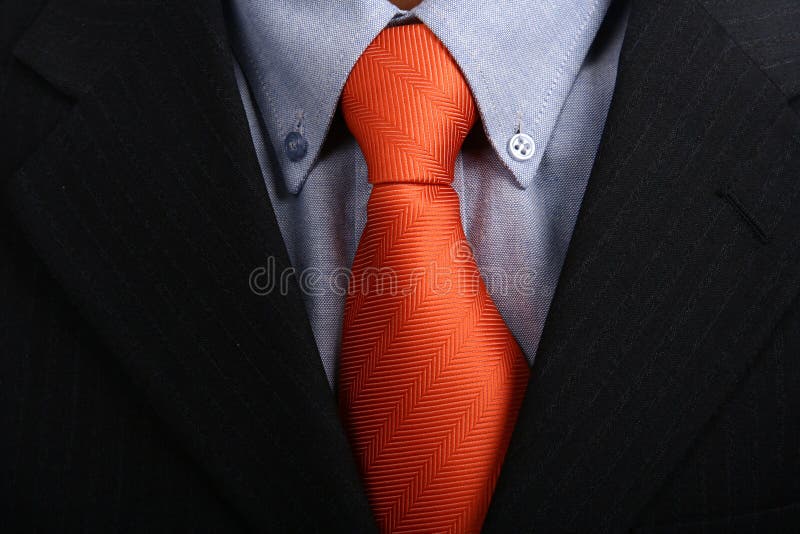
{"x": 519, "y": 58}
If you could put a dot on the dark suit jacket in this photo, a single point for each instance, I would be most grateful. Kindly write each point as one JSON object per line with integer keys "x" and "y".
{"x": 144, "y": 387}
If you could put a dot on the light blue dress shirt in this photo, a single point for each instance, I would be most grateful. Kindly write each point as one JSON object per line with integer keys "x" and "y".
{"x": 543, "y": 68}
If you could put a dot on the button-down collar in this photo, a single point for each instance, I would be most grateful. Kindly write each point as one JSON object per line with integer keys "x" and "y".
{"x": 520, "y": 59}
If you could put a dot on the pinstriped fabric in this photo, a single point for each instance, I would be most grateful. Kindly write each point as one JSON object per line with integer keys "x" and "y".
{"x": 430, "y": 379}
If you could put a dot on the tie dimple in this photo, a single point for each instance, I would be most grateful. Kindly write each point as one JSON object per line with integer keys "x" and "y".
{"x": 430, "y": 377}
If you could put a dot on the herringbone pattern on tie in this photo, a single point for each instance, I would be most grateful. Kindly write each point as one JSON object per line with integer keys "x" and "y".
{"x": 430, "y": 377}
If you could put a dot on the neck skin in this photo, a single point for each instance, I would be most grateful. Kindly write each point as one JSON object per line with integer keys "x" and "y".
{"x": 406, "y": 4}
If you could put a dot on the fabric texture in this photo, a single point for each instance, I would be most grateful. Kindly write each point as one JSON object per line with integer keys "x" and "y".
{"x": 548, "y": 70}
{"x": 144, "y": 387}
{"x": 431, "y": 378}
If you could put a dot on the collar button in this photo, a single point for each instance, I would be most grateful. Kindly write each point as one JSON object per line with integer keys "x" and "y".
{"x": 295, "y": 146}
{"x": 521, "y": 147}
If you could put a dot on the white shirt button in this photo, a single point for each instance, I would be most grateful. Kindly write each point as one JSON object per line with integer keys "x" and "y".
{"x": 521, "y": 147}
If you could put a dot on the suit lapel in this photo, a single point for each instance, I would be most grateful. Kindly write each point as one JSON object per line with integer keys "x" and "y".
{"x": 149, "y": 207}
{"x": 684, "y": 256}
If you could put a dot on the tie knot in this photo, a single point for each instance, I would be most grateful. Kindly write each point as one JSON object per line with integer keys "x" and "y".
{"x": 408, "y": 107}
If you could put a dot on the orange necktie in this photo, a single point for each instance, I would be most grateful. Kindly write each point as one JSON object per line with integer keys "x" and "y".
{"x": 430, "y": 379}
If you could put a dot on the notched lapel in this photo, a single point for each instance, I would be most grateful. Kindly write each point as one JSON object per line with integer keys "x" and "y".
{"x": 684, "y": 257}
{"x": 148, "y": 205}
